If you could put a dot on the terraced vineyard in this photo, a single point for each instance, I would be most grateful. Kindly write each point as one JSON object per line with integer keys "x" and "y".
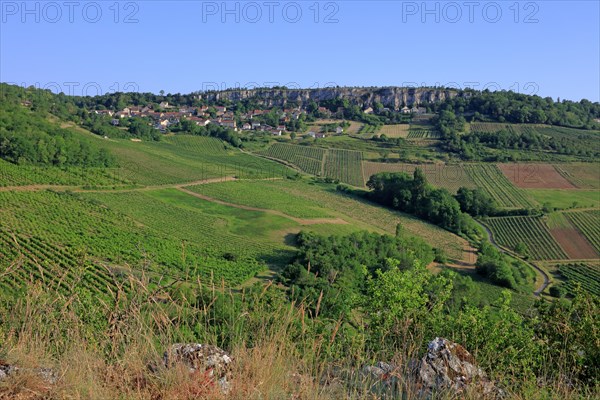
{"x": 308, "y": 159}
{"x": 345, "y": 166}
{"x": 510, "y": 231}
{"x": 489, "y": 178}
{"x": 585, "y": 275}
{"x": 588, "y": 223}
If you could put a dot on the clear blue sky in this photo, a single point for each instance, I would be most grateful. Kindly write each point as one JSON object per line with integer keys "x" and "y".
{"x": 548, "y": 47}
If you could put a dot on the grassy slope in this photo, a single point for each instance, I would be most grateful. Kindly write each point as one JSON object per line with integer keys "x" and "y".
{"x": 557, "y": 198}
{"x": 290, "y": 196}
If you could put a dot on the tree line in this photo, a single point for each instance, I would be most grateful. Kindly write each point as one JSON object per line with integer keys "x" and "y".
{"x": 28, "y": 137}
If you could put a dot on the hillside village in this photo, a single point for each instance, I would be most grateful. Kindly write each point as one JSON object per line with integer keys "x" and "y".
{"x": 166, "y": 115}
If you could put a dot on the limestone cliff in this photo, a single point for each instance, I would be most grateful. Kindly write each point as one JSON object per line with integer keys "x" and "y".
{"x": 392, "y": 97}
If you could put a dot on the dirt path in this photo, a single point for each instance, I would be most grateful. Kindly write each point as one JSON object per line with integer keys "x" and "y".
{"x": 301, "y": 221}
{"x": 324, "y": 161}
{"x": 34, "y": 188}
{"x": 159, "y": 187}
{"x": 543, "y": 274}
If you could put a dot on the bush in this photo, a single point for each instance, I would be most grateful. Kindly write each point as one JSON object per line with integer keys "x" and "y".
{"x": 558, "y": 291}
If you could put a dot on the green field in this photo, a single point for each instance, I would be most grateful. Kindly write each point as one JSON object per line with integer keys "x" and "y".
{"x": 510, "y": 231}
{"x": 562, "y": 199}
{"x": 262, "y": 194}
{"x": 588, "y": 223}
{"x": 491, "y": 179}
{"x": 360, "y": 212}
{"x": 305, "y": 200}
{"x": 395, "y": 131}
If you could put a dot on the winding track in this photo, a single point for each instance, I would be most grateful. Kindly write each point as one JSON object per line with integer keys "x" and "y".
{"x": 183, "y": 188}
{"x": 540, "y": 271}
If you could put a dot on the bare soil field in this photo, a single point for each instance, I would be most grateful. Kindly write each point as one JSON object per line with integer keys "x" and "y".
{"x": 353, "y": 129}
{"x": 535, "y": 176}
{"x": 574, "y": 244}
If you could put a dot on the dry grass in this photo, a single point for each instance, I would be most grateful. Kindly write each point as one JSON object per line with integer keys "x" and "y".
{"x": 48, "y": 332}
{"x": 277, "y": 352}
{"x": 395, "y": 131}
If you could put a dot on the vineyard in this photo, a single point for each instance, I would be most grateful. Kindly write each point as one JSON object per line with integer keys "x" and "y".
{"x": 211, "y": 231}
{"x": 584, "y": 176}
{"x": 487, "y": 127}
{"x": 535, "y": 176}
{"x": 175, "y": 159}
{"x": 419, "y": 132}
{"x": 181, "y": 158}
{"x": 32, "y": 259}
{"x": 308, "y": 159}
{"x": 133, "y": 228}
{"x": 23, "y": 175}
{"x": 345, "y": 166}
{"x": 448, "y": 176}
{"x": 489, "y": 178}
{"x": 367, "y": 131}
{"x": 587, "y": 139}
{"x": 588, "y": 223}
{"x": 585, "y": 275}
{"x": 531, "y": 231}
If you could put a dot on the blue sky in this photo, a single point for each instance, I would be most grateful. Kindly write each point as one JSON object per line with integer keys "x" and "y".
{"x": 551, "y": 48}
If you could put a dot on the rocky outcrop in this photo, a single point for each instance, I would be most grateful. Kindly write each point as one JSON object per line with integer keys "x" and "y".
{"x": 447, "y": 368}
{"x": 46, "y": 375}
{"x": 208, "y": 360}
{"x": 6, "y": 370}
{"x": 392, "y": 97}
